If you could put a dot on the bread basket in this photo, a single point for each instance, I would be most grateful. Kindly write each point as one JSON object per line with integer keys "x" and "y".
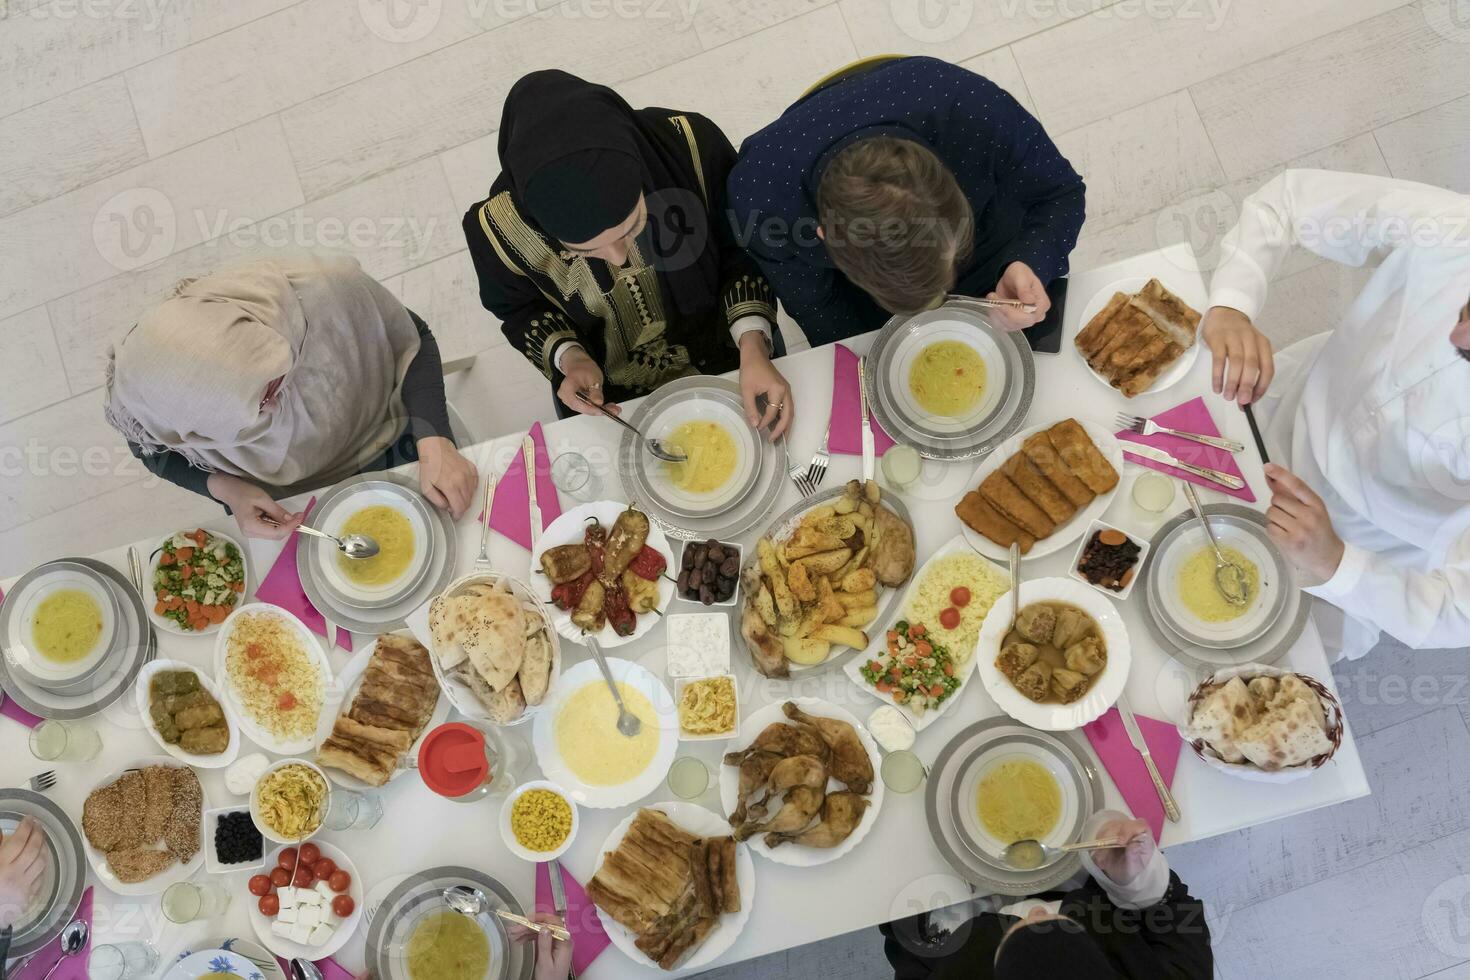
{"x": 1331, "y": 708}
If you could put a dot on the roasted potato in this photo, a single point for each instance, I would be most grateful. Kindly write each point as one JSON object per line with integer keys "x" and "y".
{"x": 859, "y": 617}
{"x": 786, "y": 604}
{"x": 871, "y": 492}
{"x": 859, "y": 580}
{"x": 845, "y": 504}
{"x": 831, "y": 609}
{"x": 824, "y": 563}
{"x": 765, "y": 606}
{"x": 798, "y": 577}
{"x": 841, "y": 636}
{"x": 806, "y": 651}
{"x": 857, "y": 600}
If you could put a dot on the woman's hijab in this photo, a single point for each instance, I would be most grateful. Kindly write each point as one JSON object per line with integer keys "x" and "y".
{"x": 1052, "y": 949}
{"x": 328, "y": 344}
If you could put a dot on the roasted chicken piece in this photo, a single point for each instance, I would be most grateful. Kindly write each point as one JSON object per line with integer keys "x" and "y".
{"x": 892, "y": 554}
{"x": 841, "y": 813}
{"x": 849, "y": 763}
{"x": 755, "y": 769}
{"x": 767, "y": 652}
{"x": 798, "y": 808}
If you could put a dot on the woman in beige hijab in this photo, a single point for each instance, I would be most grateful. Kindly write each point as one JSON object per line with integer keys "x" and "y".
{"x": 280, "y": 376}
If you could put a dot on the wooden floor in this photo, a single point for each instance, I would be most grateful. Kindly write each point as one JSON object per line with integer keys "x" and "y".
{"x": 147, "y": 140}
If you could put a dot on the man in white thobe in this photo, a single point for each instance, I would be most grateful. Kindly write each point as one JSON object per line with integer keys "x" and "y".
{"x": 1370, "y": 421}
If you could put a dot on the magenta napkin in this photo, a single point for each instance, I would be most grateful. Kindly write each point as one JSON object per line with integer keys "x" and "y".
{"x": 847, "y": 409}
{"x": 75, "y": 966}
{"x": 10, "y": 709}
{"x": 1110, "y": 740}
{"x": 510, "y": 512}
{"x": 589, "y": 939}
{"x": 1192, "y": 416}
{"x": 282, "y": 587}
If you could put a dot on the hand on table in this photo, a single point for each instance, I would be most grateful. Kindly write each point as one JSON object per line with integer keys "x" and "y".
{"x": 1299, "y": 524}
{"x": 758, "y": 376}
{"x": 1123, "y": 864}
{"x": 1244, "y": 364}
{"x": 581, "y": 372}
{"x": 249, "y": 503}
{"x": 21, "y": 862}
{"x": 553, "y": 956}
{"x": 1020, "y": 283}
{"x": 446, "y": 477}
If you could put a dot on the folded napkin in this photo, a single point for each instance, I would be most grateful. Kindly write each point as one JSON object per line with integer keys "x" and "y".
{"x": 10, "y": 709}
{"x": 331, "y": 969}
{"x": 847, "y": 409}
{"x": 510, "y": 512}
{"x": 74, "y": 967}
{"x": 1192, "y": 416}
{"x": 282, "y": 587}
{"x": 589, "y": 939}
{"x": 1110, "y": 740}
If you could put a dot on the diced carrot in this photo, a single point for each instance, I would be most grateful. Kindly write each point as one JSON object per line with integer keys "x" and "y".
{"x": 160, "y": 609}
{"x": 184, "y": 554}
{"x": 186, "y": 572}
{"x": 199, "y": 623}
{"x": 200, "y": 536}
{"x": 237, "y": 586}
{"x": 936, "y": 690}
{"x": 192, "y": 606}
{"x": 949, "y": 670}
{"x": 166, "y": 559}
{"x": 917, "y": 630}
{"x": 924, "y": 647}
{"x": 884, "y": 687}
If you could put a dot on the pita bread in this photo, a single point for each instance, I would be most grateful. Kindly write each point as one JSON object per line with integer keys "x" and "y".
{"x": 535, "y": 675}
{"x": 495, "y": 638}
{"x": 446, "y": 620}
{"x": 507, "y": 704}
{"x": 1286, "y": 738}
{"x": 1221, "y": 716}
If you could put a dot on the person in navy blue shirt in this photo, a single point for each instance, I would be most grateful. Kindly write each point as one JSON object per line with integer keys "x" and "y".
{"x": 895, "y": 182}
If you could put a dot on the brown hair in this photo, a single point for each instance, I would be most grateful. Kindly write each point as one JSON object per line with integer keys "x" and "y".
{"x": 895, "y": 221}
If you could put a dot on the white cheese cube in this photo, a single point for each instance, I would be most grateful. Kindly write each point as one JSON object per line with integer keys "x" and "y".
{"x": 330, "y": 918}
{"x": 325, "y": 891}
{"x": 282, "y": 929}
{"x": 320, "y": 935}
{"x": 300, "y": 934}
{"x": 287, "y": 895}
{"x": 287, "y": 914}
{"x": 310, "y": 915}
{"x": 307, "y": 896}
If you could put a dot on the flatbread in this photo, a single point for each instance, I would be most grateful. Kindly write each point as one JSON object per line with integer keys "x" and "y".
{"x": 447, "y": 617}
{"x": 1221, "y": 715}
{"x": 535, "y": 675}
{"x": 507, "y": 704}
{"x": 1286, "y": 738}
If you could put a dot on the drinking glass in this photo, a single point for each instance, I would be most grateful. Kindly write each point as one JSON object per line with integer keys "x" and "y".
{"x": 189, "y": 901}
{"x": 902, "y": 771}
{"x": 573, "y": 475}
{"x": 353, "y": 811}
{"x": 63, "y": 741}
{"x": 901, "y": 465}
{"x": 1152, "y": 494}
{"x": 688, "y": 777}
{"x": 123, "y": 961}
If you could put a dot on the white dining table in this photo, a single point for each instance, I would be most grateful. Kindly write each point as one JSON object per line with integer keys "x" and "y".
{"x": 896, "y": 870}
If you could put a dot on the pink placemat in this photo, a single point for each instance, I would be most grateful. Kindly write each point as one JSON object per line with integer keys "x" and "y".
{"x": 282, "y": 587}
{"x": 331, "y": 969}
{"x": 10, "y": 709}
{"x": 75, "y": 967}
{"x": 1110, "y": 740}
{"x": 1192, "y": 416}
{"x": 510, "y": 511}
{"x": 847, "y": 409}
{"x": 589, "y": 939}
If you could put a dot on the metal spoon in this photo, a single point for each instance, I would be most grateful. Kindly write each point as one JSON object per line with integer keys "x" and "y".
{"x": 628, "y": 723}
{"x": 1015, "y": 557}
{"x": 651, "y": 444}
{"x": 1029, "y": 854}
{"x": 471, "y": 902}
{"x": 1229, "y": 577}
{"x": 73, "y": 938}
{"x": 353, "y": 545}
{"x": 304, "y": 970}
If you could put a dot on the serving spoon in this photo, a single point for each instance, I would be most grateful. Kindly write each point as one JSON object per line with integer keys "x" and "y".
{"x": 1015, "y": 559}
{"x": 652, "y": 445}
{"x": 1030, "y": 854}
{"x": 351, "y": 545}
{"x": 628, "y": 723}
{"x": 469, "y": 901}
{"x": 1229, "y": 577}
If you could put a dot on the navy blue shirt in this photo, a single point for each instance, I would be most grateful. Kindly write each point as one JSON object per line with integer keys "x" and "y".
{"x": 1027, "y": 199}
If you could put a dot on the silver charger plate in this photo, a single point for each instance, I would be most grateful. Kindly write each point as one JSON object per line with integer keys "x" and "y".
{"x": 440, "y": 568}
{"x": 65, "y": 877}
{"x": 1286, "y": 627}
{"x": 114, "y": 679}
{"x": 315, "y": 547}
{"x": 941, "y": 803}
{"x": 941, "y": 442}
{"x": 8, "y": 611}
{"x": 411, "y": 897}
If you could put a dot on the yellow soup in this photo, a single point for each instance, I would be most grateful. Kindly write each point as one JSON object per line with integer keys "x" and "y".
{"x": 448, "y": 946}
{"x": 1019, "y": 800}
{"x": 1200, "y": 594}
{"x": 947, "y": 378}
{"x": 394, "y": 535}
{"x": 67, "y": 626}
{"x": 712, "y": 456}
{"x": 588, "y": 739}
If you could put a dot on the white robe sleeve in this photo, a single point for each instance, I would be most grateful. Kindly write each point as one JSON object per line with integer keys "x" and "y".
{"x": 1346, "y": 217}
{"x": 1424, "y": 610}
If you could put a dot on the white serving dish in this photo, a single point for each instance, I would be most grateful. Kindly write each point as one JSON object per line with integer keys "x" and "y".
{"x": 260, "y": 823}
{"x": 508, "y": 835}
{"x": 720, "y": 664}
{"x": 211, "y": 963}
{"x": 141, "y": 698}
{"x": 235, "y": 707}
{"x": 285, "y": 948}
{"x": 1093, "y": 528}
{"x": 1104, "y": 691}
{"x": 168, "y": 625}
{"x": 1130, "y": 285}
{"x": 677, "y": 567}
{"x": 177, "y": 872}
{"x": 211, "y": 861}
{"x": 683, "y": 682}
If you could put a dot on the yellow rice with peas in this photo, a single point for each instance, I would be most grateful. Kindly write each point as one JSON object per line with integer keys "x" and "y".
{"x": 541, "y": 820}
{"x": 275, "y": 678}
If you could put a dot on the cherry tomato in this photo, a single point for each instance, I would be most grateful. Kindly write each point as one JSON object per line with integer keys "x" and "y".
{"x": 280, "y": 877}
{"x": 959, "y": 595}
{"x": 310, "y": 854}
{"x": 324, "y": 869}
{"x": 949, "y": 618}
{"x": 260, "y": 885}
{"x": 343, "y": 905}
{"x": 287, "y": 858}
{"x": 340, "y": 881}
{"x": 270, "y": 904}
{"x": 304, "y": 878}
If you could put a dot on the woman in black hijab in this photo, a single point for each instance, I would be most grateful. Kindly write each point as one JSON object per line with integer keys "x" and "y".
{"x": 605, "y": 251}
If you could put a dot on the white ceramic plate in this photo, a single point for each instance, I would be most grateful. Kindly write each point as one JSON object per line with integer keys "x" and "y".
{"x": 854, "y": 666}
{"x": 1104, "y": 690}
{"x": 993, "y": 755}
{"x": 327, "y": 558}
{"x": 253, "y": 729}
{"x": 1258, "y": 616}
{"x": 251, "y": 953}
{"x": 175, "y": 872}
{"x": 571, "y": 528}
{"x": 20, "y": 635}
{"x": 212, "y": 962}
{"x": 150, "y": 597}
{"x": 909, "y": 349}
{"x": 548, "y": 751}
{"x": 1079, "y": 522}
{"x": 1171, "y": 375}
{"x": 351, "y": 681}
{"x": 796, "y": 855}
{"x": 701, "y": 822}
{"x": 747, "y": 454}
{"x": 141, "y": 696}
{"x": 285, "y": 948}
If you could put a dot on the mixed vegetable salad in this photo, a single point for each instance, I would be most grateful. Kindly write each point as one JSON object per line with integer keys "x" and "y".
{"x": 199, "y": 580}
{"x": 914, "y": 671}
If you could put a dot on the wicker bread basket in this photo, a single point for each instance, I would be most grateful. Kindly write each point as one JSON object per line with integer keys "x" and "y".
{"x": 1331, "y": 708}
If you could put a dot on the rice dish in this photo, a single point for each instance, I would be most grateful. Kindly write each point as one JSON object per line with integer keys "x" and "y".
{"x": 932, "y": 596}
{"x": 277, "y": 682}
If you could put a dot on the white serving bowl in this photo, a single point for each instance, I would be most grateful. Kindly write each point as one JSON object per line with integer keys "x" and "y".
{"x": 265, "y": 828}
{"x": 509, "y": 836}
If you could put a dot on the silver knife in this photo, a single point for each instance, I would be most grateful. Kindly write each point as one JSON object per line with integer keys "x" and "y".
{"x": 528, "y": 449}
{"x": 559, "y": 898}
{"x": 1171, "y": 808}
{"x": 869, "y": 449}
{"x": 1169, "y": 459}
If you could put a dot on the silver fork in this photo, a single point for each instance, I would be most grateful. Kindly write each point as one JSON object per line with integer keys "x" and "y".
{"x": 799, "y": 477}
{"x": 817, "y": 472}
{"x": 41, "y": 782}
{"x": 1148, "y": 427}
{"x": 482, "y": 563}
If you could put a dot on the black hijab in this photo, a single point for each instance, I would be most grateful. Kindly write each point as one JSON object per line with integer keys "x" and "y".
{"x": 1053, "y": 949}
{"x": 575, "y": 157}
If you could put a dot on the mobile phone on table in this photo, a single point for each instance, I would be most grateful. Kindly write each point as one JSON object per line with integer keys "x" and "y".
{"x": 1046, "y": 336}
